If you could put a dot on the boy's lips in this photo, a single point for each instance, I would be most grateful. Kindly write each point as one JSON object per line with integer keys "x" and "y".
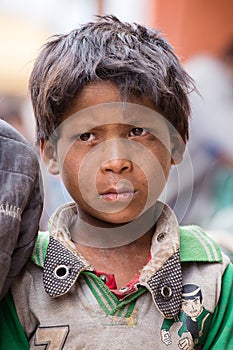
{"x": 121, "y": 195}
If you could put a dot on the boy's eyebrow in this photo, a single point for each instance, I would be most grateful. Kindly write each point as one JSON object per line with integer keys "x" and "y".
{"x": 100, "y": 127}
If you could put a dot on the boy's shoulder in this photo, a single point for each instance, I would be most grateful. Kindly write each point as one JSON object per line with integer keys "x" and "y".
{"x": 196, "y": 245}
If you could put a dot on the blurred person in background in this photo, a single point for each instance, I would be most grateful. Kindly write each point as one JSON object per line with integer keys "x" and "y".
{"x": 11, "y": 112}
{"x": 206, "y": 175}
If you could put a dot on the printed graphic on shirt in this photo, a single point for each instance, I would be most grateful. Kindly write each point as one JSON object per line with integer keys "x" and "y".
{"x": 194, "y": 319}
{"x": 51, "y": 338}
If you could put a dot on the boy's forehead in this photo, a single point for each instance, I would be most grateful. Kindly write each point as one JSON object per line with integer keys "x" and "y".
{"x": 106, "y": 92}
{"x": 100, "y": 103}
{"x": 114, "y": 113}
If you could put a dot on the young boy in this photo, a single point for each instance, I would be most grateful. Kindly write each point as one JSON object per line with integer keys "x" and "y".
{"x": 111, "y": 105}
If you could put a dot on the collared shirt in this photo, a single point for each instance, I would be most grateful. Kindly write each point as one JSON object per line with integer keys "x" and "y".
{"x": 68, "y": 304}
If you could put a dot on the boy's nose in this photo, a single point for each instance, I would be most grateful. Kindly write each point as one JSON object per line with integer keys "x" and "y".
{"x": 117, "y": 165}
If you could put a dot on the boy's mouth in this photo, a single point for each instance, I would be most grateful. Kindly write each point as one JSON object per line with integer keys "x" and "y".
{"x": 121, "y": 195}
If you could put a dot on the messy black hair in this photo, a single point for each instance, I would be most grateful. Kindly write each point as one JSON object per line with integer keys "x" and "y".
{"x": 137, "y": 59}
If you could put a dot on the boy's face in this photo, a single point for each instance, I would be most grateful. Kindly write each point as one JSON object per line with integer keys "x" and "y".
{"x": 114, "y": 160}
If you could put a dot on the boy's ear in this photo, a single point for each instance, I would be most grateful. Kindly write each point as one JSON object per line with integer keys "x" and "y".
{"x": 178, "y": 148}
{"x": 48, "y": 154}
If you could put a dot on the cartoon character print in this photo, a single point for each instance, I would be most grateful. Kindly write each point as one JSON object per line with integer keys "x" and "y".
{"x": 194, "y": 318}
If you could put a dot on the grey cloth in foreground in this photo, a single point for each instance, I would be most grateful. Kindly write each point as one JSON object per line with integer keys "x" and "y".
{"x": 20, "y": 203}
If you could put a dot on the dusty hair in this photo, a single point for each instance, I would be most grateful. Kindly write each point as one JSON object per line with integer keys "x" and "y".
{"x": 137, "y": 59}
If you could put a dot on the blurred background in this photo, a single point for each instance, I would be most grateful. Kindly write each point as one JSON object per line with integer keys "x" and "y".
{"x": 201, "y": 32}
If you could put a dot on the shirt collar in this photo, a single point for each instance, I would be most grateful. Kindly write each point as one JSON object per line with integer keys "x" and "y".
{"x": 161, "y": 275}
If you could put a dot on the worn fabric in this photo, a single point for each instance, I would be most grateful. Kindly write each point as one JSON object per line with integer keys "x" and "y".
{"x": 20, "y": 203}
{"x": 181, "y": 301}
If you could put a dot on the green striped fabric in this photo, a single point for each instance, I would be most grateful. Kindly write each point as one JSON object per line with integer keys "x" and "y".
{"x": 40, "y": 249}
{"x": 196, "y": 245}
{"x": 107, "y": 300}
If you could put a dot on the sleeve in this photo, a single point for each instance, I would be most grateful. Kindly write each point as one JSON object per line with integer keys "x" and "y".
{"x": 12, "y": 335}
{"x": 21, "y": 202}
{"x": 220, "y": 336}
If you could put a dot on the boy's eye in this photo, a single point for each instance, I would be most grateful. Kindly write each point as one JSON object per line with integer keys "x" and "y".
{"x": 137, "y": 132}
{"x": 87, "y": 136}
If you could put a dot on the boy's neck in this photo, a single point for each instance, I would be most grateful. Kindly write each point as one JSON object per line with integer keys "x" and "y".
{"x": 123, "y": 261}
{"x": 121, "y": 250}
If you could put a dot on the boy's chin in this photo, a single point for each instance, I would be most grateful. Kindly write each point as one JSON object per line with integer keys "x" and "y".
{"x": 111, "y": 231}
{"x": 114, "y": 215}
{"x": 114, "y": 219}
